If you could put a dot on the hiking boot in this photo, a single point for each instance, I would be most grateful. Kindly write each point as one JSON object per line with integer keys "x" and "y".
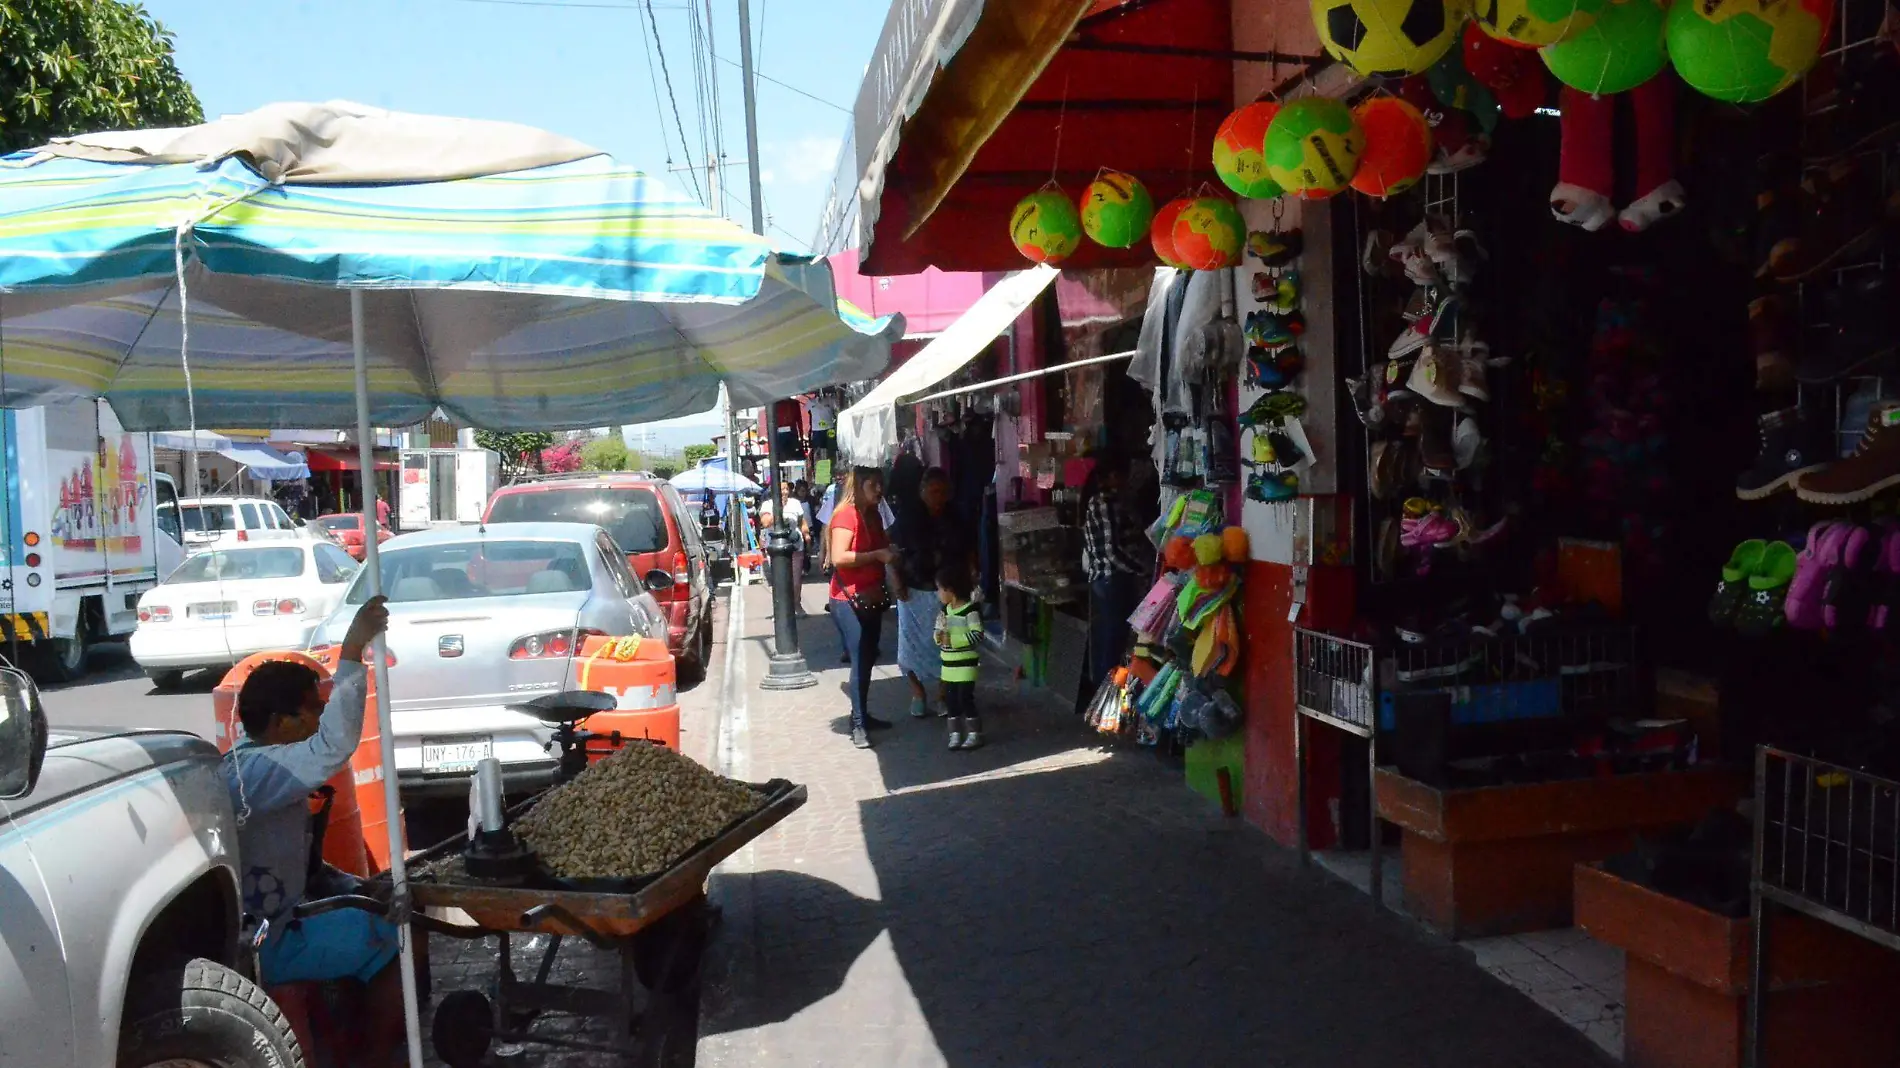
{"x": 1862, "y": 319}
{"x": 1788, "y": 450}
{"x": 1771, "y": 340}
{"x": 1874, "y": 465}
{"x": 1843, "y": 210}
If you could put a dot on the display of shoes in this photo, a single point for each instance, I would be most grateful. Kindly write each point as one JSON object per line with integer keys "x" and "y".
{"x": 1842, "y": 210}
{"x": 1789, "y": 450}
{"x": 1862, "y": 318}
{"x": 1771, "y": 340}
{"x": 1271, "y": 330}
{"x": 1733, "y": 586}
{"x": 1275, "y": 248}
{"x": 1466, "y": 441}
{"x": 1273, "y": 487}
{"x": 1436, "y": 376}
{"x": 1474, "y": 358}
{"x": 1873, "y": 466}
{"x": 1434, "y": 442}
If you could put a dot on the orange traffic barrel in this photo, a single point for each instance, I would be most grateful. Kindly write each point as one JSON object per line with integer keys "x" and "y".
{"x": 642, "y": 678}
{"x": 356, "y": 839}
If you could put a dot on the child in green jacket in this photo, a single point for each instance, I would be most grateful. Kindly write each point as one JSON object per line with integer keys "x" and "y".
{"x": 956, "y": 637}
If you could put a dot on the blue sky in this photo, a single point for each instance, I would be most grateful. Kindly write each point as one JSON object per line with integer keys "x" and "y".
{"x": 577, "y": 67}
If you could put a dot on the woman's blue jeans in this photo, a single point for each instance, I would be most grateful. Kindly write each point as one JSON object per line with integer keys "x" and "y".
{"x": 861, "y": 631}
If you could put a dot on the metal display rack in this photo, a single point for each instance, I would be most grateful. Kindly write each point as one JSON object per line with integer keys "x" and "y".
{"x": 1827, "y": 844}
{"x": 1570, "y": 673}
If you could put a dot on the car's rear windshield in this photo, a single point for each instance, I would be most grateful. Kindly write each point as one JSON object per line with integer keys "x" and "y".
{"x": 231, "y": 565}
{"x": 340, "y": 522}
{"x": 464, "y": 570}
{"x": 633, "y": 515}
{"x": 203, "y": 518}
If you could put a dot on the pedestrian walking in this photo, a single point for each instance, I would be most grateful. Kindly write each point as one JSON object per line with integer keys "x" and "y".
{"x": 956, "y": 642}
{"x": 1116, "y": 555}
{"x": 926, "y": 539}
{"x": 860, "y": 590}
{"x": 796, "y": 527}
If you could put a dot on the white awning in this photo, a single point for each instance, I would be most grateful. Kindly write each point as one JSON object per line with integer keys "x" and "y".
{"x": 867, "y": 431}
{"x": 186, "y": 441}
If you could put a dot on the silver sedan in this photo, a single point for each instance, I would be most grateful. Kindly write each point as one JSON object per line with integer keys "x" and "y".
{"x": 481, "y": 618}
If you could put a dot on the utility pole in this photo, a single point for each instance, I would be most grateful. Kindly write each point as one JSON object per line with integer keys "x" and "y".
{"x": 787, "y": 670}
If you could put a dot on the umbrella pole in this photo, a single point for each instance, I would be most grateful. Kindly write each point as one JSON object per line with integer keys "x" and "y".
{"x": 379, "y": 668}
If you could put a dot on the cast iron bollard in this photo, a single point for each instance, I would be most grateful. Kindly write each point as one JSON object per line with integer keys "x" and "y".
{"x": 787, "y": 670}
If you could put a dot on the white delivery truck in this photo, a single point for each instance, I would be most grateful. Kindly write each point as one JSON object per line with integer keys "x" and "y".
{"x": 86, "y": 526}
{"x": 438, "y": 487}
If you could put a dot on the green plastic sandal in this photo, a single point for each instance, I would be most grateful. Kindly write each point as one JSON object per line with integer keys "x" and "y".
{"x": 1765, "y": 607}
{"x": 1733, "y": 589}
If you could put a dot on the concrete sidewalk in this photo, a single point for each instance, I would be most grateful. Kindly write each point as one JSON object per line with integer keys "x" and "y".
{"x": 1046, "y": 902}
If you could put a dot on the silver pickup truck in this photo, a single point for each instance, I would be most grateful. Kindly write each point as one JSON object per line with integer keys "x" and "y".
{"x": 119, "y": 911}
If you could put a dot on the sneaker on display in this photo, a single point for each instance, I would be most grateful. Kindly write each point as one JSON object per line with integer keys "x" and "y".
{"x": 1873, "y": 466}
{"x": 1789, "y": 450}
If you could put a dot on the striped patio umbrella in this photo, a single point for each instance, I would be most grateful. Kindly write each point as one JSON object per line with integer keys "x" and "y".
{"x": 335, "y": 265}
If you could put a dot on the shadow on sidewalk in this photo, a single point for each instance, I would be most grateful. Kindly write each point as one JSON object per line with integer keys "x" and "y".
{"x": 805, "y": 934}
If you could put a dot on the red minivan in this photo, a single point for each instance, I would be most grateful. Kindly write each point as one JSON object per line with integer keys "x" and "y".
{"x": 651, "y": 524}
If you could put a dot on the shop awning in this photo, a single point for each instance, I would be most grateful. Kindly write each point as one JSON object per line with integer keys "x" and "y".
{"x": 959, "y": 115}
{"x": 187, "y": 441}
{"x": 867, "y": 431}
{"x": 341, "y": 461}
{"x": 264, "y": 462}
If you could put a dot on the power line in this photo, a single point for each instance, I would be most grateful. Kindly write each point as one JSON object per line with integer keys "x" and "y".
{"x": 653, "y": 84}
{"x": 791, "y": 88}
{"x": 659, "y": 46}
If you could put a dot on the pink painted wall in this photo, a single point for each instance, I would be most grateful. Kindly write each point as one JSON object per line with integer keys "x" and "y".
{"x": 930, "y": 301}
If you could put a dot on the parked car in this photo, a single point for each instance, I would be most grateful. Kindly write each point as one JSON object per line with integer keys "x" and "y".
{"x": 659, "y": 531}
{"x": 122, "y": 917}
{"x": 347, "y": 529}
{"x": 215, "y": 522}
{"x": 222, "y": 605}
{"x": 481, "y": 618}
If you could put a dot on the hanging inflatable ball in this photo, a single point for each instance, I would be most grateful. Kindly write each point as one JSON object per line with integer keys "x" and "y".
{"x": 1161, "y": 231}
{"x": 1116, "y": 209}
{"x": 1619, "y": 51}
{"x": 1209, "y": 234}
{"x": 1240, "y": 151}
{"x": 1388, "y": 37}
{"x": 1044, "y": 226}
{"x": 1534, "y": 23}
{"x": 1178, "y": 554}
{"x": 1742, "y": 51}
{"x": 1313, "y": 147}
{"x": 1398, "y": 146}
{"x": 1234, "y": 547}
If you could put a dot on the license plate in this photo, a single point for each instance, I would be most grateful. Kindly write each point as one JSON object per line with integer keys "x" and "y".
{"x": 212, "y": 610}
{"x": 455, "y": 754}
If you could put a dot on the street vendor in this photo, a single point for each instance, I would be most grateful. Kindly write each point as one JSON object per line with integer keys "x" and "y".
{"x": 293, "y": 743}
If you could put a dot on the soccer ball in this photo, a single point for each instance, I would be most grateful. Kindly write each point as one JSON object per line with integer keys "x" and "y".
{"x": 1240, "y": 151}
{"x": 1743, "y": 51}
{"x": 1398, "y": 146}
{"x": 1388, "y": 37}
{"x": 1620, "y": 50}
{"x": 1161, "y": 231}
{"x": 1116, "y": 209}
{"x": 1209, "y": 233}
{"x": 1313, "y": 147}
{"x": 1045, "y": 227}
{"x": 1534, "y": 23}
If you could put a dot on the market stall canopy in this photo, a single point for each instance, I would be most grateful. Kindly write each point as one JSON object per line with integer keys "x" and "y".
{"x": 968, "y": 107}
{"x": 509, "y": 292}
{"x": 264, "y": 462}
{"x": 190, "y": 441}
{"x": 708, "y": 478}
{"x": 867, "y": 431}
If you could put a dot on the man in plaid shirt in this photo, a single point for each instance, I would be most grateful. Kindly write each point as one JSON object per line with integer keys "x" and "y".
{"x": 1116, "y": 556}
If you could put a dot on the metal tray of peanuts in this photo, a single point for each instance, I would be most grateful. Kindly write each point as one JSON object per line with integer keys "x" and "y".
{"x": 608, "y": 908}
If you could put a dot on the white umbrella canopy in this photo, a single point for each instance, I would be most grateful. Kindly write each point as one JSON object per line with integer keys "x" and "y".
{"x": 329, "y": 265}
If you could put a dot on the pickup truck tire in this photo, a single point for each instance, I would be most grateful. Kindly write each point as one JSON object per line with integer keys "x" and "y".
{"x": 64, "y": 659}
{"x": 200, "y": 1012}
{"x": 165, "y": 678}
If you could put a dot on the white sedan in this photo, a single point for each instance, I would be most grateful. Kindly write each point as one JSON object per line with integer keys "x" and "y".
{"x": 223, "y": 605}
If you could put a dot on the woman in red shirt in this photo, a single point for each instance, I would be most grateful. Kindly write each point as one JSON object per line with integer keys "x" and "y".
{"x": 860, "y": 594}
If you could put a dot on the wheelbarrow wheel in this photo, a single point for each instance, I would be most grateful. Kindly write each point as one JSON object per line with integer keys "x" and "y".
{"x": 463, "y": 1029}
{"x": 668, "y": 1033}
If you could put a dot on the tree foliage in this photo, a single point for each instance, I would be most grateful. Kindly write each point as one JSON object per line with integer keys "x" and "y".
{"x": 562, "y": 458}
{"x": 697, "y": 453}
{"x": 607, "y": 454}
{"x": 520, "y": 451}
{"x": 665, "y": 469}
{"x": 82, "y": 66}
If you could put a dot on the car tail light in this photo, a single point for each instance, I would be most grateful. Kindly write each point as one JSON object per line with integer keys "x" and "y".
{"x": 157, "y": 613}
{"x": 244, "y": 535}
{"x": 554, "y": 644}
{"x": 680, "y": 573}
{"x": 289, "y": 606}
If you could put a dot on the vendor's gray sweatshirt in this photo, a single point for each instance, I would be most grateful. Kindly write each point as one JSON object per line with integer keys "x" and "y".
{"x": 269, "y": 785}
